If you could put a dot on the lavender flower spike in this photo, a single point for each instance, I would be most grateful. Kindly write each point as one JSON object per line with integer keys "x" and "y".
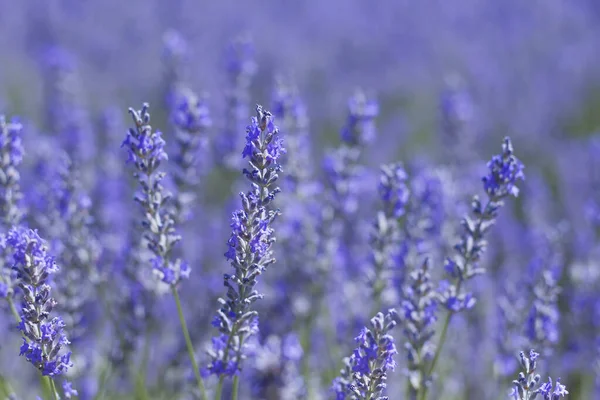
{"x": 385, "y": 237}
{"x": 365, "y": 372}
{"x": 192, "y": 122}
{"x": 43, "y": 338}
{"x": 250, "y": 244}
{"x": 505, "y": 170}
{"x": 11, "y": 155}
{"x": 418, "y": 317}
{"x": 527, "y": 380}
{"x": 146, "y": 151}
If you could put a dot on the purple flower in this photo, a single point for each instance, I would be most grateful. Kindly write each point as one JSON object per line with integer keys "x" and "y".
{"x": 43, "y": 338}
{"x": 364, "y": 373}
{"x": 146, "y": 151}
{"x": 504, "y": 172}
{"x": 527, "y": 380}
{"x": 68, "y": 390}
{"x": 191, "y": 119}
{"x": 360, "y": 126}
{"x": 551, "y": 392}
{"x": 11, "y": 156}
{"x": 418, "y": 315}
{"x": 291, "y": 114}
{"x": 11, "y": 207}
{"x": 249, "y": 247}
{"x": 386, "y": 234}
{"x": 80, "y": 251}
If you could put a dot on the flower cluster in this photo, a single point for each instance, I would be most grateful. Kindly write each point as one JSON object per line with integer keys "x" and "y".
{"x": 11, "y": 156}
{"x": 360, "y": 127}
{"x": 365, "y": 372}
{"x": 249, "y": 247}
{"x": 191, "y": 119}
{"x": 146, "y": 151}
{"x": 43, "y": 338}
{"x": 418, "y": 318}
{"x": 11, "y": 208}
{"x": 542, "y": 323}
{"x": 394, "y": 194}
{"x": 79, "y": 250}
{"x": 505, "y": 171}
{"x": 527, "y": 380}
{"x": 292, "y": 118}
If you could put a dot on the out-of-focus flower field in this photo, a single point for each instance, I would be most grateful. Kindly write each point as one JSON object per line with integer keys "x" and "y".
{"x": 280, "y": 200}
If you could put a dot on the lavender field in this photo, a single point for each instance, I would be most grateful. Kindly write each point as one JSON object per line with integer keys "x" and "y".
{"x": 281, "y": 200}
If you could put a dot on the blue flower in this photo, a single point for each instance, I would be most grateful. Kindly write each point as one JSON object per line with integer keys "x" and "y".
{"x": 365, "y": 372}
{"x": 525, "y": 385}
{"x": 249, "y": 247}
{"x": 146, "y": 150}
{"x": 505, "y": 171}
{"x": 43, "y": 338}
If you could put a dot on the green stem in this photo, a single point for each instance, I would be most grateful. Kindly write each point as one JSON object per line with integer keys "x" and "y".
{"x": 104, "y": 378}
{"x": 438, "y": 351}
{"x": 236, "y": 387}
{"x": 52, "y": 388}
{"x": 141, "y": 392}
{"x": 219, "y": 390}
{"x": 188, "y": 343}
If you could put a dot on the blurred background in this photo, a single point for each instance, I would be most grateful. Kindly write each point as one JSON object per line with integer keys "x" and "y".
{"x": 451, "y": 79}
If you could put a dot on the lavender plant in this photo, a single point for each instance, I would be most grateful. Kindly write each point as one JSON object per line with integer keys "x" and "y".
{"x": 146, "y": 151}
{"x": 418, "y": 317}
{"x": 342, "y": 247}
{"x": 343, "y": 252}
{"x": 79, "y": 251}
{"x": 11, "y": 207}
{"x": 394, "y": 194}
{"x": 192, "y": 121}
{"x": 44, "y": 339}
{"x": 364, "y": 374}
{"x": 505, "y": 170}
{"x": 249, "y": 250}
{"x": 524, "y": 385}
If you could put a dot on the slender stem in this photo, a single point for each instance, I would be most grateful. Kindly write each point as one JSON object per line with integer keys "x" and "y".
{"x": 236, "y": 387}
{"x": 52, "y": 388}
{"x": 141, "y": 392}
{"x": 219, "y": 390}
{"x": 438, "y": 351}
{"x": 188, "y": 343}
{"x": 104, "y": 379}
